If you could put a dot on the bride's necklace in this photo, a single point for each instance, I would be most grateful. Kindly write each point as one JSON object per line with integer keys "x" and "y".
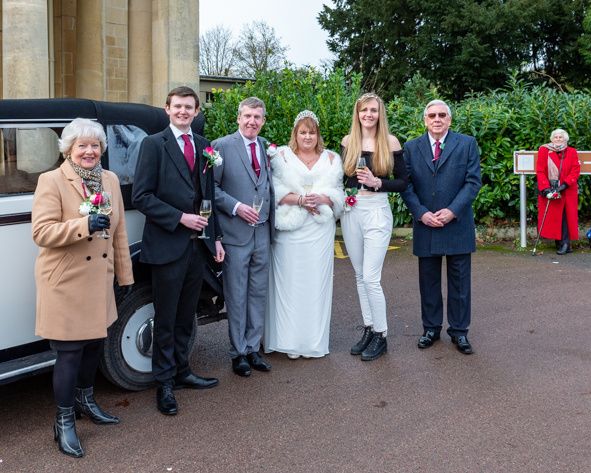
{"x": 309, "y": 161}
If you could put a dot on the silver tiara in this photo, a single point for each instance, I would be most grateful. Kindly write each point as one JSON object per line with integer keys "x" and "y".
{"x": 306, "y": 114}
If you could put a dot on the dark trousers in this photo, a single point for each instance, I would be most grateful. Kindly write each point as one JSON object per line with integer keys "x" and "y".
{"x": 175, "y": 288}
{"x": 458, "y": 293}
{"x": 75, "y": 366}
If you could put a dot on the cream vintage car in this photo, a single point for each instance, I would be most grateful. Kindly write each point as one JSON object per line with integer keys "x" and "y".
{"x": 29, "y": 130}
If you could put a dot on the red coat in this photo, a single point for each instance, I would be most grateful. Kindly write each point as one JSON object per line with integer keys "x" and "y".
{"x": 569, "y": 174}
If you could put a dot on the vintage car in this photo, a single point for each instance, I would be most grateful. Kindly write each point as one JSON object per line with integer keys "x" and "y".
{"x": 29, "y": 130}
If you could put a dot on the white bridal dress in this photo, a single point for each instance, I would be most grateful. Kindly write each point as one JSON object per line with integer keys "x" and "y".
{"x": 301, "y": 270}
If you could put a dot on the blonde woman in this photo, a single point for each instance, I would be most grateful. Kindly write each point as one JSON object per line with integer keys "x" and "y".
{"x": 367, "y": 225}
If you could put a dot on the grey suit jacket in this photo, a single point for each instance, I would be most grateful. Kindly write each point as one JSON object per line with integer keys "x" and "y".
{"x": 452, "y": 183}
{"x": 236, "y": 181}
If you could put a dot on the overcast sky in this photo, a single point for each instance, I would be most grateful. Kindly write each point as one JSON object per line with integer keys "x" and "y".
{"x": 294, "y": 22}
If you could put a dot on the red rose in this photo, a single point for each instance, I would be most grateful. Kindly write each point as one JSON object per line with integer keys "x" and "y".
{"x": 209, "y": 150}
{"x": 96, "y": 199}
{"x": 351, "y": 200}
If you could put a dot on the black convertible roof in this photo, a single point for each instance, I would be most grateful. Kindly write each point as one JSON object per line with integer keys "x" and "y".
{"x": 150, "y": 119}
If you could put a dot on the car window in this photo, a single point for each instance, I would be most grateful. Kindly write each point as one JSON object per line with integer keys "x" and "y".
{"x": 26, "y": 153}
{"x": 124, "y": 145}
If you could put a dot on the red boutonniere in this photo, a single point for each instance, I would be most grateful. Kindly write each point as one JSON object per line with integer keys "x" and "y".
{"x": 213, "y": 158}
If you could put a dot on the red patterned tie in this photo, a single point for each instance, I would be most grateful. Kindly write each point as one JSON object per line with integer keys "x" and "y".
{"x": 437, "y": 150}
{"x": 255, "y": 162}
{"x": 189, "y": 152}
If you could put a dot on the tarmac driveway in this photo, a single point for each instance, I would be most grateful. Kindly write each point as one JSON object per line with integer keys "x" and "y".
{"x": 521, "y": 403}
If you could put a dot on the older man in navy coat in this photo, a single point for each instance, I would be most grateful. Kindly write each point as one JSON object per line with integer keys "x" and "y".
{"x": 444, "y": 168}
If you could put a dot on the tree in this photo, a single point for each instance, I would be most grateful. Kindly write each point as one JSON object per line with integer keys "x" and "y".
{"x": 216, "y": 52}
{"x": 259, "y": 50}
{"x": 457, "y": 45}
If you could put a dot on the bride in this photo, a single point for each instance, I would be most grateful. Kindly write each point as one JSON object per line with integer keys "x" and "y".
{"x": 309, "y": 198}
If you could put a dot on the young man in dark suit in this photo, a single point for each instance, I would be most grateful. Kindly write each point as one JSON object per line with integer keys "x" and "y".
{"x": 444, "y": 168}
{"x": 171, "y": 179}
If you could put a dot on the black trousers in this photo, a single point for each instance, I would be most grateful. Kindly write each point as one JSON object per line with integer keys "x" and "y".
{"x": 458, "y": 293}
{"x": 176, "y": 287}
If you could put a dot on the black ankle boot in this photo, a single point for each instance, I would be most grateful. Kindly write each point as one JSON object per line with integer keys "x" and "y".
{"x": 362, "y": 344}
{"x": 85, "y": 404}
{"x": 376, "y": 348}
{"x": 64, "y": 432}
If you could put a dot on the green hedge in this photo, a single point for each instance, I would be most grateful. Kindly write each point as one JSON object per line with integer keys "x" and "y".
{"x": 518, "y": 117}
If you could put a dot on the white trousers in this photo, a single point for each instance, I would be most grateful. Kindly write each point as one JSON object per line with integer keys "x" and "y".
{"x": 367, "y": 229}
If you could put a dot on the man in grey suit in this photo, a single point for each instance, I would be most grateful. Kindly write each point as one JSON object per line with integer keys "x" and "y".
{"x": 244, "y": 175}
{"x": 444, "y": 168}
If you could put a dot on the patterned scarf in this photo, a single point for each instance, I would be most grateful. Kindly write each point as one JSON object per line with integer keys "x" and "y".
{"x": 92, "y": 177}
{"x": 556, "y": 148}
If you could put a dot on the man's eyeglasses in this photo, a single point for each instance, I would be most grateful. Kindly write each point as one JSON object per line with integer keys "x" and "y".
{"x": 433, "y": 115}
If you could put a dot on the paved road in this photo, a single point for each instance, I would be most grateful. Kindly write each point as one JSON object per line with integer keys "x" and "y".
{"x": 522, "y": 403}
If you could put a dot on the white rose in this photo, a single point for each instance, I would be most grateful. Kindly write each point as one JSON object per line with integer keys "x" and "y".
{"x": 85, "y": 208}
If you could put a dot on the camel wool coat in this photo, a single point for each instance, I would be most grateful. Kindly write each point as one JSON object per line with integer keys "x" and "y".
{"x": 75, "y": 270}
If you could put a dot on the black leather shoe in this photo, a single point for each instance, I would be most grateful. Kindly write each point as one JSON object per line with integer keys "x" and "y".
{"x": 376, "y": 348}
{"x": 428, "y": 338}
{"x": 165, "y": 400}
{"x": 563, "y": 249}
{"x": 362, "y": 344}
{"x": 240, "y": 366}
{"x": 194, "y": 381}
{"x": 463, "y": 344}
{"x": 257, "y": 362}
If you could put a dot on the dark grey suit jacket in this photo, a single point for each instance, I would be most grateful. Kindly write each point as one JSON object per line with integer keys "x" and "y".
{"x": 164, "y": 189}
{"x": 452, "y": 183}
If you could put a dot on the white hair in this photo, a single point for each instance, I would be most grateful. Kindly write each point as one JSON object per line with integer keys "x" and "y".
{"x": 437, "y": 102}
{"x": 559, "y": 131}
{"x": 81, "y": 128}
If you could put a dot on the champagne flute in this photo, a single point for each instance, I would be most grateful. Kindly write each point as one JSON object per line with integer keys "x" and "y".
{"x": 105, "y": 208}
{"x": 205, "y": 212}
{"x": 361, "y": 164}
{"x": 308, "y": 184}
{"x": 257, "y": 205}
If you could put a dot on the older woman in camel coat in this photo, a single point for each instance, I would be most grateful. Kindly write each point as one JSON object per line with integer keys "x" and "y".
{"x": 75, "y": 272}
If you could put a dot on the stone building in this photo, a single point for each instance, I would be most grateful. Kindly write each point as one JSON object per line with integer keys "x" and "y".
{"x": 114, "y": 50}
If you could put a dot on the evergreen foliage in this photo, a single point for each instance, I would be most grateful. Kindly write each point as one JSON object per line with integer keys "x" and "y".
{"x": 519, "y": 116}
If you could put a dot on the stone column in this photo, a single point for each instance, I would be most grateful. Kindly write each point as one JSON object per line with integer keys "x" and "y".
{"x": 90, "y": 50}
{"x": 175, "y": 46}
{"x": 140, "y": 51}
{"x": 25, "y": 56}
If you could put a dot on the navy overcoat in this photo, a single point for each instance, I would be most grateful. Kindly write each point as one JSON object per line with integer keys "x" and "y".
{"x": 453, "y": 183}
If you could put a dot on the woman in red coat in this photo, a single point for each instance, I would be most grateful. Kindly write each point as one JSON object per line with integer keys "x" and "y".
{"x": 558, "y": 170}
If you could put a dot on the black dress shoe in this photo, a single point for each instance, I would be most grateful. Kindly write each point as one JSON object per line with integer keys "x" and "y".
{"x": 240, "y": 366}
{"x": 194, "y": 381}
{"x": 463, "y": 344}
{"x": 165, "y": 400}
{"x": 428, "y": 338}
{"x": 257, "y": 362}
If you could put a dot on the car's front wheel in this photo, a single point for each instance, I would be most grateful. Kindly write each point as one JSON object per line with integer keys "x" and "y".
{"x": 127, "y": 356}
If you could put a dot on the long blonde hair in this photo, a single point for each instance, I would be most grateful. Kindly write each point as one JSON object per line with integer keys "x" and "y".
{"x": 382, "y": 158}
